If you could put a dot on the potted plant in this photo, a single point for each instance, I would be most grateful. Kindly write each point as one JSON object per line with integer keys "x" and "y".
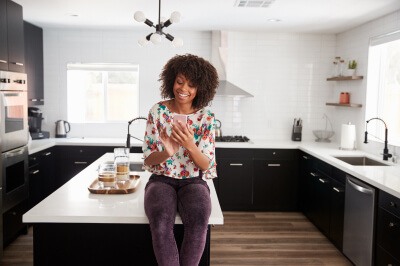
{"x": 351, "y": 70}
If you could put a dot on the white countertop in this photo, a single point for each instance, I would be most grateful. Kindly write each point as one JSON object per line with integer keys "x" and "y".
{"x": 386, "y": 178}
{"x": 73, "y": 203}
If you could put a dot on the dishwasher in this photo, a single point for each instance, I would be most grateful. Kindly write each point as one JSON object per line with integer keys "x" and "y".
{"x": 359, "y": 216}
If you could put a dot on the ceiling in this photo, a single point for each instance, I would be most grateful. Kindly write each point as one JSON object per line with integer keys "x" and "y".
{"x": 306, "y": 16}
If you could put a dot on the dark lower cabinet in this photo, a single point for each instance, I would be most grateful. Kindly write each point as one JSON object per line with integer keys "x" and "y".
{"x": 275, "y": 185}
{"x": 235, "y": 184}
{"x": 12, "y": 223}
{"x": 388, "y": 230}
{"x": 322, "y": 196}
{"x": 3, "y": 33}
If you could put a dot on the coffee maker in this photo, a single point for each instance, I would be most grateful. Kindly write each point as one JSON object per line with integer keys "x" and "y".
{"x": 35, "y": 124}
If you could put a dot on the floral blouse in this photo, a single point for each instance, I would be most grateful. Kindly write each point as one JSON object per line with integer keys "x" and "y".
{"x": 180, "y": 165}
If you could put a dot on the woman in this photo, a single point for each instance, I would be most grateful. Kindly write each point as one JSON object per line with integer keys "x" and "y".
{"x": 180, "y": 160}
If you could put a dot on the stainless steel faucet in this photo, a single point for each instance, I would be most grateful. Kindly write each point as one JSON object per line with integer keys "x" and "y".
{"x": 386, "y": 154}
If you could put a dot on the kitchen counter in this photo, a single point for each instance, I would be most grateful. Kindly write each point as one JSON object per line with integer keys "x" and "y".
{"x": 73, "y": 203}
{"x": 386, "y": 178}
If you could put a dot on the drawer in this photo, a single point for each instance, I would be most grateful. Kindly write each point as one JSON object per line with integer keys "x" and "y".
{"x": 34, "y": 159}
{"x": 324, "y": 167}
{"x": 82, "y": 151}
{"x": 389, "y": 203}
{"x": 388, "y": 232}
{"x": 222, "y": 153}
{"x": 275, "y": 154}
{"x": 384, "y": 258}
{"x": 338, "y": 175}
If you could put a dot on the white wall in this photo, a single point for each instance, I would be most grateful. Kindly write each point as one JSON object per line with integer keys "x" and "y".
{"x": 62, "y": 46}
{"x": 354, "y": 44}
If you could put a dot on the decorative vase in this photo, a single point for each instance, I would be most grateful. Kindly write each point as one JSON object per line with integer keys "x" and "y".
{"x": 351, "y": 72}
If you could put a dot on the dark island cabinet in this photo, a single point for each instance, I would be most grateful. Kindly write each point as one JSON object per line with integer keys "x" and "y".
{"x": 33, "y": 37}
{"x": 275, "y": 180}
{"x": 235, "y": 179}
{"x": 12, "y": 54}
{"x": 388, "y": 230}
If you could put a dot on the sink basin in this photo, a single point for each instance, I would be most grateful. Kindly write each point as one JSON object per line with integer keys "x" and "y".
{"x": 135, "y": 167}
{"x": 361, "y": 160}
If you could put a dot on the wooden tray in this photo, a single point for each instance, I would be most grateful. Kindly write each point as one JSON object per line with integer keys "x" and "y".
{"x": 126, "y": 187}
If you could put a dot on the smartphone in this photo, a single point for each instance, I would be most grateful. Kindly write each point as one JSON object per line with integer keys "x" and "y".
{"x": 181, "y": 118}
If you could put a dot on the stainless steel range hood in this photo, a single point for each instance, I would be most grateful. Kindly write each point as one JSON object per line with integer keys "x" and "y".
{"x": 219, "y": 57}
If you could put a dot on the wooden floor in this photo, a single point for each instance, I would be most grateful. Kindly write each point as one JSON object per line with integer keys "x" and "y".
{"x": 246, "y": 238}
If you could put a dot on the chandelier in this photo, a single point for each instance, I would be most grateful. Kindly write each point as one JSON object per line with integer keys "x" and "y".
{"x": 155, "y": 37}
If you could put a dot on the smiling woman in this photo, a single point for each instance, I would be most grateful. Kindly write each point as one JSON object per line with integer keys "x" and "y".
{"x": 102, "y": 92}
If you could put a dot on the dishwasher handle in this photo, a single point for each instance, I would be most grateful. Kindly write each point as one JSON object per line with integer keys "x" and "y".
{"x": 359, "y": 187}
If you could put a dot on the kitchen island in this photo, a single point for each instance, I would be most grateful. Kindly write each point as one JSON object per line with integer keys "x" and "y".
{"x": 75, "y": 227}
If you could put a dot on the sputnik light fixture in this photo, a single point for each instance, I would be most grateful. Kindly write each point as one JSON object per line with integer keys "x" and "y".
{"x": 155, "y": 37}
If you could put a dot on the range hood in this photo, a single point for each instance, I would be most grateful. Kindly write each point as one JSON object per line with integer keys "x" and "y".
{"x": 219, "y": 57}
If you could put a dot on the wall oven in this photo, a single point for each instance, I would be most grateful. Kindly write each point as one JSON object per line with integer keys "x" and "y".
{"x": 14, "y": 177}
{"x": 13, "y": 110}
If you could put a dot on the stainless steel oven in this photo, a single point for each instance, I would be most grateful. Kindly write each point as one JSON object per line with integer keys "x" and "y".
{"x": 14, "y": 110}
{"x": 14, "y": 177}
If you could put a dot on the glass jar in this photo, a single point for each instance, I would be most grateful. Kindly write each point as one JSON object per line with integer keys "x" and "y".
{"x": 341, "y": 68}
{"x": 335, "y": 70}
{"x": 121, "y": 160}
{"x": 107, "y": 175}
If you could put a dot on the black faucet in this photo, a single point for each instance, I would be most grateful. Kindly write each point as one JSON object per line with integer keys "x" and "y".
{"x": 386, "y": 153}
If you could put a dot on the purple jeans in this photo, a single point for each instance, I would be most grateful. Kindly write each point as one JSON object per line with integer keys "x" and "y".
{"x": 191, "y": 197}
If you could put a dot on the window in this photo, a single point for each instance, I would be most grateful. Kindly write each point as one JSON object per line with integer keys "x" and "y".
{"x": 383, "y": 89}
{"x": 102, "y": 93}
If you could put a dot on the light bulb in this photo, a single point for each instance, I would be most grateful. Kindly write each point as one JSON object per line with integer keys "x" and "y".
{"x": 155, "y": 38}
{"x": 175, "y": 17}
{"x": 143, "y": 42}
{"x": 177, "y": 42}
{"x": 139, "y": 16}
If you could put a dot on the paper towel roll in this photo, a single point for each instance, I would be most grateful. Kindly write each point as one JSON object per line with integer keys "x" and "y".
{"x": 348, "y": 138}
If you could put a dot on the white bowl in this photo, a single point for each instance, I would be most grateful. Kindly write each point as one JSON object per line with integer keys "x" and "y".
{"x": 323, "y": 135}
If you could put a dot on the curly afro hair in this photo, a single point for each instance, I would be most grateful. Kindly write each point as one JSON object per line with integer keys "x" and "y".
{"x": 198, "y": 71}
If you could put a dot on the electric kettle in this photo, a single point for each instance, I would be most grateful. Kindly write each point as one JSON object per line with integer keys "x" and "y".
{"x": 61, "y": 128}
{"x": 218, "y": 132}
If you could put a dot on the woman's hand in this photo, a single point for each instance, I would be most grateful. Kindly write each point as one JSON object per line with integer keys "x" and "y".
{"x": 183, "y": 137}
{"x": 170, "y": 146}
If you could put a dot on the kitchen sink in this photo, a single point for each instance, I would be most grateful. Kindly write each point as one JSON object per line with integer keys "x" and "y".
{"x": 361, "y": 160}
{"x": 136, "y": 167}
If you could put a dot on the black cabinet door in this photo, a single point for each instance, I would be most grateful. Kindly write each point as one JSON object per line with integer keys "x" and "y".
{"x": 33, "y": 37}
{"x": 337, "y": 214}
{"x": 3, "y": 36}
{"x": 15, "y": 35}
{"x": 48, "y": 164}
{"x": 275, "y": 185}
{"x": 306, "y": 166}
{"x": 36, "y": 188}
{"x": 235, "y": 184}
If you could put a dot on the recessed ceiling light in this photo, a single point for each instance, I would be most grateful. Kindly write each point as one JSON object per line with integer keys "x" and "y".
{"x": 273, "y": 20}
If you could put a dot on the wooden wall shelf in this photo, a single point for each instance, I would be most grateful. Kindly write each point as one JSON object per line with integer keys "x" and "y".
{"x": 345, "y": 78}
{"x": 345, "y": 105}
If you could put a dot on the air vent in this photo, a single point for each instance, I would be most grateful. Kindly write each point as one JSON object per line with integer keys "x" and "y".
{"x": 253, "y": 3}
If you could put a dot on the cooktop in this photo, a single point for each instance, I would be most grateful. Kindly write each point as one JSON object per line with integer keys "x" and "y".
{"x": 232, "y": 139}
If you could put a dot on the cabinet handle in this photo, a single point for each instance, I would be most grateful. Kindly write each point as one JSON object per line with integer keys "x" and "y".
{"x": 322, "y": 180}
{"x": 3, "y": 61}
{"x": 17, "y": 63}
{"x": 35, "y": 172}
{"x": 80, "y": 162}
{"x": 392, "y": 204}
{"x": 236, "y": 164}
{"x": 392, "y": 224}
{"x": 313, "y": 174}
{"x": 34, "y": 100}
{"x": 42, "y": 100}
{"x": 47, "y": 154}
{"x": 337, "y": 189}
{"x": 274, "y": 164}
{"x": 305, "y": 157}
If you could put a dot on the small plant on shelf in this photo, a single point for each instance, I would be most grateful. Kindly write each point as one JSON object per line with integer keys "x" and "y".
{"x": 352, "y": 64}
